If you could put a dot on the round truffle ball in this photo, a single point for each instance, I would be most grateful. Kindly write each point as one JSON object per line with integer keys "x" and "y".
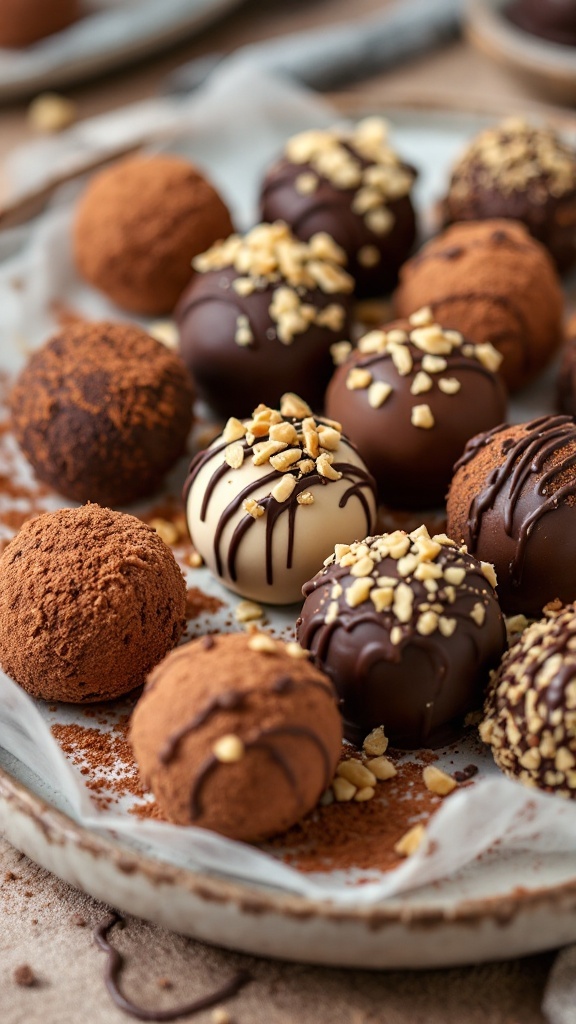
{"x": 352, "y": 185}
{"x": 512, "y": 501}
{"x": 410, "y": 396}
{"x": 138, "y": 226}
{"x": 272, "y": 495}
{"x": 494, "y": 283}
{"x": 407, "y": 627}
{"x": 90, "y": 601}
{"x": 102, "y": 411}
{"x": 245, "y": 753}
{"x": 522, "y": 172}
{"x": 23, "y": 22}
{"x": 530, "y": 711}
{"x": 260, "y": 316}
{"x": 549, "y": 19}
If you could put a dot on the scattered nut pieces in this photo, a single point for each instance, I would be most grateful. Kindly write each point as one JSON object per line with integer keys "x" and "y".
{"x": 165, "y": 332}
{"x": 343, "y": 789}
{"x": 263, "y": 643}
{"x": 166, "y": 530}
{"x": 382, "y": 768}
{"x": 228, "y": 749}
{"x": 410, "y": 841}
{"x": 355, "y": 772}
{"x": 376, "y": 743}
{"x": 248, "y": 611}
{"x": 422, "y": 417}
{"x": 437, "y": 781}
{"x": 50, "y": 113}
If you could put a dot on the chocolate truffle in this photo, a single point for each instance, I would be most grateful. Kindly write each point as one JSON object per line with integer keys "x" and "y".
{"x": 260, "y": 316}
{"x": 554, "y": 20}
{"x": 567, "y": 373}
{"x": 410, "y": 396}
{"x": 530, "y": 711}
{"x": 138, "y": 226}
{"x": 494, "y": 283}
{"x": 239, "y": 734}
{"x": 90, "y": 601}
{"x": 407, "y": 627}
{"x": 351, "y": 184}
{"x": 272, "y": 495}
{"x": 102, "y": 411}
{"x": 529, "y": 174}
{"x": 23, "y": 22}
{"x": 513, "y": 502}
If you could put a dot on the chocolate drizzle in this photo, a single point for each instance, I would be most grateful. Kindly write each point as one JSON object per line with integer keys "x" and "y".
{"x": 112, "y": 980}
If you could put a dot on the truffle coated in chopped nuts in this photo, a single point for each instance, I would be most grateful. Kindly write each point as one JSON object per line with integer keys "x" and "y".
{"x": 278, "y": 712}
{"x": 138, "y": 226}
{"x": 494, "y": 283}
{"x": 90, "y": 601}
{"x": 23, "y": 22}
{"x": 102, "y": 411}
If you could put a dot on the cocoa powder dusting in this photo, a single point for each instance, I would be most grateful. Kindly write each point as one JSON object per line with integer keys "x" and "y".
{"x": 199, "y": 603}
{"x": 104, "y": 758}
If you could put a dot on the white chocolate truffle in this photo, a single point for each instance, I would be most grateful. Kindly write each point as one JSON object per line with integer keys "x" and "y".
{"x": 271, "y": 496}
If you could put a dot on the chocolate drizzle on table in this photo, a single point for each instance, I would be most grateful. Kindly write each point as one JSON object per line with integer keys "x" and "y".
{"x": 112, "y": 980}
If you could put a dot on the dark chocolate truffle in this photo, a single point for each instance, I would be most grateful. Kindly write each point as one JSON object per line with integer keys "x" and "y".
{"x": 23, "y": 22}
{"x": 407, "y": 626}
{"x": 102, "y": 411}
{"x": 526, "y": 173}
{"x": 260, "y": 316}
{"x": 138, "y": 226}
{"x": 271, "y": 496}
{"x": 530, "y": 711}
{"x": 239, "y": 734}
{"x": 554, "y": 20}
{"x": 351, "y": 184}
{"x": 494, "y": 283}
{"x": 409, "y": 397}
{"x": 567, "y": 372}
{"x": 512, "y": 501}
{"x": 90, "y": 601}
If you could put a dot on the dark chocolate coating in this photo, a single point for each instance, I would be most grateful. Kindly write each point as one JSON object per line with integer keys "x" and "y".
{"x": 554, "y": 20}
{"x": 421, "y": 689}
{"x": 234, "y": 379}
{"x": 513, "y": 502}
{"x": 413, "y": 466}
{"x": 329, "y": 209}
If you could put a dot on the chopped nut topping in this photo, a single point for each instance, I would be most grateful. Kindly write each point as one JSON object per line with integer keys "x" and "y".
{"x": 355, "y": 772}
{"x": 291, "y": 406}
{"x": 248, "y": 611}
{"x": 305, "y": 498}
{"x": 263, "y": 643}
{"x": 382, "y": 598}
{"x": 369, "y": 256}
{"x": 343, "y": 790}
{"x": 358, "y": 591}
{"x": 422, "y": 317}
{"x": 251, "y": 506}
{"x": 233, "y": 431}
{"x": 433, "y": 364}
{"x": 489, "y": 572}
{"x": 340, "y": 351}
{"x": 234, "y": 455}
{"x": 306, "y": 183}
{"x": 401, "y": 358}
{"x": 422, "y": 417}
{"x": 285, "y": 460}
{"x": 283, "y": 489}
{"x": 382, "y": 768}
{"x": 376, "y": 743}
{"x": 243, "y": 335}
{"x": 228, "y": 749}
{"x": 294, "y": 650}
{"x": 364, "y": 794}
{"x": 358, "y": 379}
{"x": 421, "y": 383}
{"x": 378, "y": 392}
{"x": 324, "y": 467}
{"x": 438, "y": 781}
{"x": 478, "y": 614}
{"x": 410, "y": 841}
{"x": 449, "y": 385}
{"x": 488, "y": 356}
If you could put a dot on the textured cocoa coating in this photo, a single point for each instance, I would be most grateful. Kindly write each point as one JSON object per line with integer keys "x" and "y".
{"x": 532, "y": 188}
{"x": 23, "y": 22}
{"x": 530, "y": 710}
{"x": 330, "y": 209}
{"x": 413, "y": 466}
{"x": 493, "y": 282}
{"x": 138, "y": 226}
{"x": 90, "y": 601}
{"x": 513, "y": 502}
{"x": 102, "y": 411}
{"x": 549, "y": 19}
{"x": 232, "y": 378}
{"x": 281, "y": 708}
{"x": 421, "y": 687}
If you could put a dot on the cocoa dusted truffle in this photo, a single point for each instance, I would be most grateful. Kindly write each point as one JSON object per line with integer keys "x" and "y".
{"x": 138, "y": 226}
{"x": 246, "y": 753}
{"x": 351, "y": 184}
{"x": 520, "y": 171}
{"x": 407, "y": 627}
{"x": 554, "y": 20}
{"x": 409, "y": 397}
{"x": 272, "y": 495}
{"x": 530, "y": 710}
{"x": 23, "y": 22}
{"x": 260, "y": 316}
{"x": 512, "y": 501}
{"x": 494, "y": 283}
{"x": 90, "y": 601}
{"x": 102, "y": 411}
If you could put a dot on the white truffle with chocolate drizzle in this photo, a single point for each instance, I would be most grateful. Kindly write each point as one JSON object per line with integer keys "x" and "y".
{"x": 272, "y": 495}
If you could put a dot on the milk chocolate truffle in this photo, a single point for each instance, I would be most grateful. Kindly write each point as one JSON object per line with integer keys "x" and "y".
{"x": 102, "y": 411}
{"x": 351, "y": 184}
{"x": 410, "y": 396}
{"x": 554, "y": 20}
{"x": 23, "y": 22}
{"x": 407, "y": 627}
{"x": 530, "y": 711}
{"x": 260, "y": 316}
{"x": 90, "y": 601}
{"x": 513, "y": 502}
{"x": 520, "y": 171}
{"x": 239, "y": 734}
{"x": 138, "y": 226}
{"x": 494, "y": 283}
{"x": 272, "y": 495}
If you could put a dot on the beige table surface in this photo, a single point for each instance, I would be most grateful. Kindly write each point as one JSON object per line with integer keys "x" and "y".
{"x": 44, "y": 922}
